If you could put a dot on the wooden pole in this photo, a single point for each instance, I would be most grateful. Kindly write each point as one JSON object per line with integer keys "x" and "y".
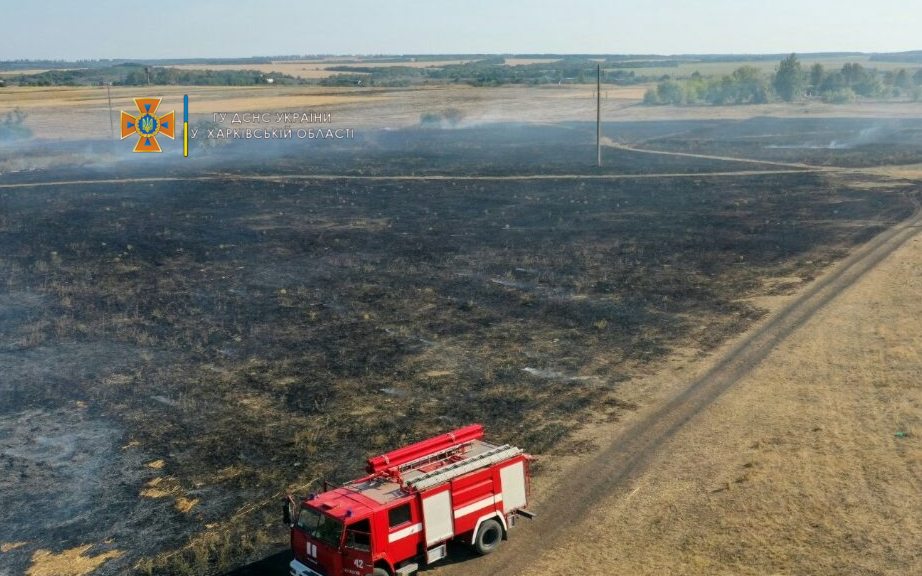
{"x": 109, "y": 97}
{"x": 598, "y": 115}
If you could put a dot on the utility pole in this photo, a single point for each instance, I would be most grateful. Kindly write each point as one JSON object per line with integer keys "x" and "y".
{"x": 598, "y": 114}
{"x": 111, "y": 125}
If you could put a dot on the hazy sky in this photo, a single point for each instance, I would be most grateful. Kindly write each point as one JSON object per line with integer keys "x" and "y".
{"x": 67, "y": 29}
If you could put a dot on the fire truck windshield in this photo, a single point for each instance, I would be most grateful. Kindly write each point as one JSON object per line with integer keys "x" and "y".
{"x": 320, "y": 526}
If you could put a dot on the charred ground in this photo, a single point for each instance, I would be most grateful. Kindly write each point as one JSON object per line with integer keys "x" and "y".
{"x": 211, "y": 343}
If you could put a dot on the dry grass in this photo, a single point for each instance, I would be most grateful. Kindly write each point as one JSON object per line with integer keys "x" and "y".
{"x": 419, "y": 64}
{"x": 72, "y": 562}
{"x": 438, "y": 373}
{"x": 82, "y": 112}
{"x": 313, "y": 69}
{"x": 30, "y": 71}
{"x": 161, "y": 487}
{"x": 185, "y": 505}
{"x": 66, "y": 113}
{"x": 810, "y": 465}
{"x": 300, "y": 101}
{"x": 297, "y": 69}
{"x": 527, "y": 61}
{"x": 211, "y": 551}
{"x": 167, "y": 486}
{"x": 7, "y": 546}
{"x": 908, "y": 171}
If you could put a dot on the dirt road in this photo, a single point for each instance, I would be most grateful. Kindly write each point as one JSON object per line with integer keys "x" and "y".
{"x": 609, "y": 143}
{"x": 614, "y": 472}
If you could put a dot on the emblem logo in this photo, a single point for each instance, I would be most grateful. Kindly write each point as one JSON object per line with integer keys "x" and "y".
{"x": 147, "y": 125}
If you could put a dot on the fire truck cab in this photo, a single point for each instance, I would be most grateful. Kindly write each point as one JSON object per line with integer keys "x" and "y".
{"x": 452, "y": 487}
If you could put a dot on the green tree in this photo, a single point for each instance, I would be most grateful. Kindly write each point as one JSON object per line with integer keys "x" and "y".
{"x": 817, "y": 75}
{"x": 720, "y": 91}
{"x": 853, "y": 73}
{"x": 901, "y": 79}
{"x": 789, "y": 79}
{"x": 749, "y": 86}
{"x": 839, "y": 96}
{"x": 670, "y": 92}
{"x": 833, "y": 82}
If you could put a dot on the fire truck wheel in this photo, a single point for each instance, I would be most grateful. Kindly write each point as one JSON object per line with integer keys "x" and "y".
{"x": 488, "y": 537}
{"x": 379, "y": 572}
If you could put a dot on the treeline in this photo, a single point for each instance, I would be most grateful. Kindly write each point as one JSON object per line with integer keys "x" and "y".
{"x": 176, "y": 76}
{"x": 13, "y": 65}
{"x": 790, "y": 82}
{"x": 748, "y": 84}
{"x": 911, "y": 56}
{"x": 573, "y": 70}
{"x": 132, "y": 74}
{"x": 491, "y": 71}
{"x": 52, "y": 78}
{"x": 855, "y": 80}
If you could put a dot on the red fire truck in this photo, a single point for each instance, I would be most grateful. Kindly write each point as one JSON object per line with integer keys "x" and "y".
{"x": 415, "y": 499}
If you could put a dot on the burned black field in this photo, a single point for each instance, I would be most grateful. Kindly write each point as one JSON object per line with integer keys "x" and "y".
{"x": 176, "y": 354}
{"x": 841, "y": 142}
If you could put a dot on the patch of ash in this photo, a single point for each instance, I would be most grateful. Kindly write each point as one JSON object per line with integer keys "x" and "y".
{"x": 512, "y": 284}
{"x": 65, "y": 481}
{"x": 165, "y": 401}
{"x": 14, "y": 306}
{"x": 55, "y": 372}
{"x": 547, "y": 374}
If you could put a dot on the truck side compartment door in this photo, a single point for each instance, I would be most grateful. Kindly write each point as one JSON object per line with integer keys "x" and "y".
{"x": 437, "y": 516}
{"x": 514, "y": 490}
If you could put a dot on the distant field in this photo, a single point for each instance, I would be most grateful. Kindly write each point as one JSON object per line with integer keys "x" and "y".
{"x": 82, "y": 112}
{"x": 66, "y": 113}
{"x": 525, "y": 61}
{"x": 299, "y": 69}
{"x": 316, "y": 68}
{"x": 20, "y": 72}
{"x": 407, "y": 64}
{"x": 71, "y": 113}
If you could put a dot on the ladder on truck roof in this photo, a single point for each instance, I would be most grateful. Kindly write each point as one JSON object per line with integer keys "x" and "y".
{"x": 438, "y": 447}
{"x": 445, "y": 454}
{"x": 461, "y": 467}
